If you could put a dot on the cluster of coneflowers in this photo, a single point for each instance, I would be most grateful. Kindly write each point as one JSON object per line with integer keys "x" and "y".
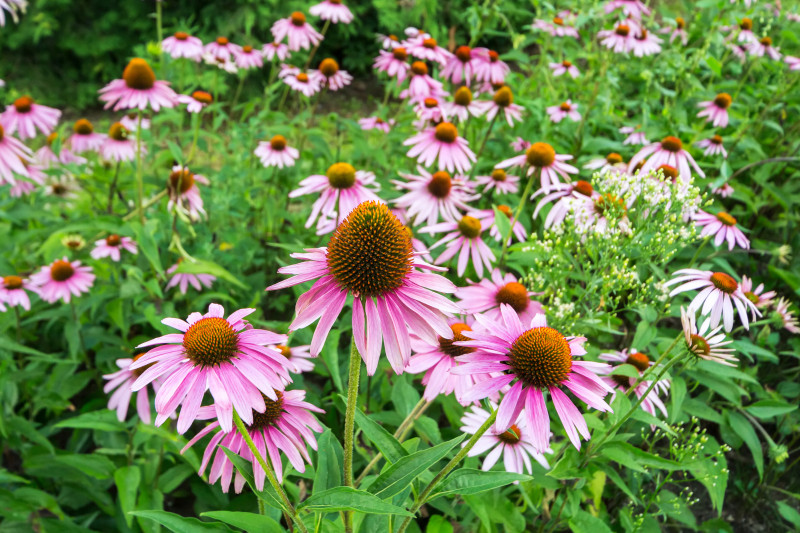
{"x": 491, "y": 342}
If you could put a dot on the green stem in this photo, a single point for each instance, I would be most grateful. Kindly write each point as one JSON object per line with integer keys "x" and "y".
{"x": 349, "y": 426}
{"x": 150, "y": 202}
{"x": 447, "y": 469}
{"x": 314, "y": 51}
{"x": 288, "y": 507}
{"x": 112, "y": 188}
{"x": 517, "y": 212}
{"x": 483, "y": 145}
{"x": 139, "y": 170}
{"x": 196, "y": 135}
{"x": 699, "y": 249}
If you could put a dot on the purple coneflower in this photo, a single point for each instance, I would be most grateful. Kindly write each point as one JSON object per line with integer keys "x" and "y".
{"x": 503, "y": 102}
{"x": 463, "y": 106}
{"x": 630, "y": 8}
{"x": 275, "y": 49}
{"x": 122, "y": 380}
{"x": 500, "y": 181}
{"x": 433, "y": 196}
{"x": 111, "y": 247}
{"x": 196, "y": 101}
{"x": 716, "y": 110}
{"x": 184, "y": 194}
{"x": 393, "y": 62}
{"x": 558, "y": 113}
{"x": 302, "y": 82}
{"x": 763, "y": 46}
{"x": 565, "y": 67}
{"x": 668, "y": 151}
{"x": 489, "y": 219}
{"x": 330, "y": 75}
{"x": 444, "y": 143}
{"x": 332, "y": 10}
{"x": 14, "y": 157}
{"x": 181, "y": 44}
{"x": 221, "y": 49}
{"x": 117, "y": 146}
{"x": 463, "y": 64}
{"x": 420, "y": 84}
{"x": 299, "y": 357}
{"x": 487, "y": 295}
{"x": 641, "y": 362}
{"x": 541, "y": 156}
{"x": 493, "y": 70}
{"x": 426, "y": 48}
{"x": 299, "y": 32}
{"x": 705, "y": 342}
{"x": 376, "y": 123}
{"x": 25, "y": 116}
{"x": 463, "y": 237}
{"x": 678, "y": 32}
{"x": 62, "y": 279}
{"x": 720, "y": 292}
{"x": 712, "y": 146}
{"x": 556, "y": 27}
{"x": 634, "y": 136}
{"x": 84, "y": 138}
{"x": 790, "y": 322}
{"x": 182, "y": 280}
{"x": 138, "y": 89}
{"x": 276, "y": 152}
{"x": 248, "y": 58}
{"x": 723, "y": 227}
{"x": 13, "y": 291}
{"x": 645, "y": 43}
{"x": 757, "y": 296}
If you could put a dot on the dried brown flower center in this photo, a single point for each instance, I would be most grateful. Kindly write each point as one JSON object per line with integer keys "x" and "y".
{"x": 341, "y": 175}
{"x": 446, "y": 345}
{"x": 328, "y": 67}
{"x": 83, "y": 127}
{"x": 270, "y": 415}
{"x": 514, "y": 294}
{"x": 278, "y": 143}
{"x": 724, "y": 282}
{"x": 671, "y": 144}
{"x": 181, "y": 180}
{"x": 138, "y": 75}
{"x": 463, "y": 96}
{"x": 23, "y": 104}
{"x": 541, "y": 357}
{"x": 61, "y": 270}
{"x": 118, "y": 132}
{"x": 440, "y": 184}
{"x": 12, "y": 282}
{"x": 511, "y": 436}
{"x": 446, "y": 132}
{"x": 503, "y": 97}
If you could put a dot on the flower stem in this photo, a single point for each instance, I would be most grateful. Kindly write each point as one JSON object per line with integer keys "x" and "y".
{"x": 447, "y": 469}
{"x": 314, "y": 51}
{"x": 699, "y": 249}
{"x": 112, "y": 188}
{"x": 139, "y": 170}
{"x": 349, "y": 425}
{"x": 289, "y": 508}
{"x": 197, "y": 119}
{"x": 517, "y": 212}
{"x": 483, "y": 145}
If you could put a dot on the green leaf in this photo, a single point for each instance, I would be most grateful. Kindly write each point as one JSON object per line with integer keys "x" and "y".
{"x": 330, "y": 458}
{"x": 789, "y": 513}
{"x": 745, "y": 430}
{"x": 769, "y": 408}
{"x": 246, "y": 521}
{"x": 583, "y": 522}
{"x": 245, "y": 468}
{"x": 400, "y": 475}
{"x": 127, "y": 480}
{"x": 471, "y": 481}
{"x": 502, "y": 222}
{"x": 96, "y": 466}
{"x": 714, "y": 65}
{"x": 350, "y": 499}
{"x": 105, "y": 420}
{"x": 178, "y": 523}
{"x": 382, "y": 439}
{"x": 145, "y": 238}
{"x": 404, "y": 396}
{"x": 199, "y": 266}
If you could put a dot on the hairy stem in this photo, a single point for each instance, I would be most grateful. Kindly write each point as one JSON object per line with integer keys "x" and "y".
{"x": 349, "y": 425}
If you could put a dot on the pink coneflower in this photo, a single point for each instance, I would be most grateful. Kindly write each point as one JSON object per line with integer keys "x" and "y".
{"x": 429, "y": 110}
{"x": 493, "y": 70}
{"x": 84, "y": 138}
{"x": 117, "y": 146}
{"x": 444, "y": 143}
{"x": 723, "y": 226}
{"x": 500, "y": 181}
{"x": 541, "y": 156}
{"x": 565, "y": 193}
{"x": 14, "y": 7}
{"x": 668, "y": 151}
{"x": 611, "y": 163}
{"x": 426, "y": 48}
{"x": 46, "y": 157}
{"x": 520, "y": 145}
{"x": 790, "y": 323}
{"x": 757, "y": 296}
{"x": 111, "y": 247}
{"x": 370, "y": 256}
{"x": 556, "y": 27}
{"x": 302, "y": 82}
{"x": 739, "y": 51}
{"x": 376, "y": 123}
{"x": 182, "y": 280}
{"x": 488, "y": 295}
{"x": 464, "y": 64}
{"x": 62, "y": 279}
{"x": 437, "y": 359}
{"x": 388, "y": 42}
{"x": 226, "y": 63}
{"x": 421, "y": 85}
{"x": 275, "y": 49}
{"x": 640, "y": 362}
{"x": 463, "y": 238}
{"x": 720, "y": 292}
{"x": 393, "y": 63}
{"x": 184, "y": 195}
{"x": 64, "y": 187}
{"x": 12, "y": 291}
{"x": 138, "y": 89}
{"x": 463, "y": 105}
{"x": 196, "y": 101}
{"x": 537, "y": 357}
{"x": 645, "y": 43}
{"x": 565, "y": 67}
{"x": 286, "y": 425}
{"x": 712, "y": 146}
{"x": 332, "y": 10}
{"x": 341, "y": 189}
{"x": 122, "y": 380}
{"x": 222, "y": 49}
{"x": 14, "y": 156}
{"x": 793, "y": 62}
{"x": 503, "y": 102}
{"x": 488, "y": 219}
{"x": 131, "y": 122}
{"x": 248, "y": 57}
{"x": 618, "y": 39}
{"x": 181, "y": 44}
{"x": 25, "y": 116}
{"x": 706, "y": 343}
{"x": 433, "y": 196}
{"x": 679, "y": 31}
{"x": 724, "y": 191}
{"x": 516, "y": 443}
{"x": 225, "y": 356}
{"x": 743, "y": 31}
{"x": 276, "y": 152}
{"x": 716, "y": 110}
{"x": 630, "y": 8}
{"x": 633, "y": 135}
{"x": 299, "y": 32}
{"x": 329, "y": 74}
{"x": 23, "y": 187}
{"x": 560, "y": 112}
{"x": 298, "y": 357}
{"x": 763, "y": 46}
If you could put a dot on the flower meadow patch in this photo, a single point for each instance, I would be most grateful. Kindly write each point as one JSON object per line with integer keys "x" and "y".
{"x": 535, "y": 272}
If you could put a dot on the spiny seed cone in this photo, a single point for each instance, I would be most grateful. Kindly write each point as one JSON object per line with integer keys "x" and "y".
{"x": 716, "y": 139}
{"x": 638, "y": 360}
{"x": 700, "y": 345}
{"x": 328, "y": 67}
{"x": 278, "y": 143}
{"x": 514, "y": 294}
{"x": 419, "y": 68}
{"x": 723, "y": 100}
{"x": 671, "y": 144}
{"x": 511, "y": 436}
{"x": 446, "y": 132}
{"x": 499, "y": 174}
{"x": 447, "y": 346}
{"x": 505, "y": 210}
{"x": 464, "y": 53}
{"x": 222, "y": 41}
{"x": 724, "y": 282}
{"x": 430, "y": 43}
{"x": 494, "y": 57}
{"x": 51, "y": 138}
{"x": 203, "y": 97}
{"x": 113, "y": 240}
{"x": 430, "y": 103}
{"x": 12, "y": 282}
{"x": 285, "y": 350}
{"x": 83, "y": 127}
{"x": 622, "y": 30}
{"x": 302, "y": 77}
{"x": 669, "y": 172}
{"x": 470, "y": 227}
{"x": 746, "y": 24}
{"x": 181, "y": 180}
{"x": 138, "y": 75}
{"x": 181, "y": 35}
{"x": 247, "y": 49}
{"x": 61, "y": 270}
{"x": 440, "y": 184}
{"x": 613, "y": 158}
{"x": 565, "y": 106}
{"x": 541, "y": 357}
{"x": 370, "y": 253}
{"x": 298, "y": 18}
{"x": 23, "y": 104}
{"x": 210, "y": 341}
{"x": 566, "y": 63}
{"x": 680, "y": 23}
{"x": 463, "y": 96}
{"x": 118, "y": 132}
{"x": 583, "y": 187}
{"x": 270, "y": 415}
{"x": 766, "y": 41}
{"x": 400, "y": 54}
{"x": 540, "y": 155}
{"x": 341, "y": 175}
{"x": 726, "y": 218}
{"x": 503, "y": 97}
